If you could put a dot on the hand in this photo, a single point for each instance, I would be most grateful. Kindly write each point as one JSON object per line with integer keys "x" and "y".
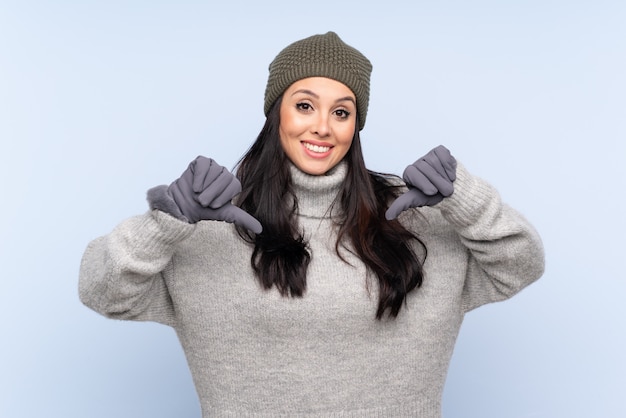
{"x": 429, "y": 180}
{"x": 204, "y": 192}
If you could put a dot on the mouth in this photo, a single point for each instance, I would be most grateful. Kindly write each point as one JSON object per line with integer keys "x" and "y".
{"x": 318, "y": 149}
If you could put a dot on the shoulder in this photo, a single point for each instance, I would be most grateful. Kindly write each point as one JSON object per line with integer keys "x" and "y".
{"x": 217, "y": 237}
{"x": 387, "y": 186}
{"x": 425, "y": 221}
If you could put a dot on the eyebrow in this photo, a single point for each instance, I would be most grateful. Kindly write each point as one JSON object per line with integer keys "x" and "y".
{"x": 309, "y": 92}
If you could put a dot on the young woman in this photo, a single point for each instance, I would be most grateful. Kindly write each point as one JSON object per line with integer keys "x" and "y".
{"x": 327, "y": 289}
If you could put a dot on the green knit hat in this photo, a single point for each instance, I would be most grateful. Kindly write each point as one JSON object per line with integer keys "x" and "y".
{"x": 320, "y": 56}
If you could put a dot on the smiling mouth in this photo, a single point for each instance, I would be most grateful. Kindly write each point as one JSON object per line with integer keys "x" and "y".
{"x": 315, "y": 148}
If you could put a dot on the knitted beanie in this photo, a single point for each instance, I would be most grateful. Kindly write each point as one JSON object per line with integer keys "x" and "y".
{"x": 320, "y": 56}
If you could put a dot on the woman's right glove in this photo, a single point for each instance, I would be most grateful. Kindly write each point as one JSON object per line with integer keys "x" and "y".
{"x": 203, "y": 192}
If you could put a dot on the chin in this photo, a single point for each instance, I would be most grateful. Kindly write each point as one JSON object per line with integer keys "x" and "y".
{"x": 313, "y": 170}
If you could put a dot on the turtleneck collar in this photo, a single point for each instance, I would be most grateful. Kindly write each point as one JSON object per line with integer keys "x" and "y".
{"x": 316, "y": 194}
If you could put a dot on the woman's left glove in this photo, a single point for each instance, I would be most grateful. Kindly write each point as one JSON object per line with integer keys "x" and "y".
{"x": 429, "y": 179}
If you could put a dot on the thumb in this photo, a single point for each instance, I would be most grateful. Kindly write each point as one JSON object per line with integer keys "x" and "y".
{"x": 402, "y": 203}
{"x": 234, "y": 214}
{"x": 411, "y": 199}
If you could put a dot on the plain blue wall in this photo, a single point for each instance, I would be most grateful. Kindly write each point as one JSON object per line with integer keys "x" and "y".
{"x": 100, "y": 100}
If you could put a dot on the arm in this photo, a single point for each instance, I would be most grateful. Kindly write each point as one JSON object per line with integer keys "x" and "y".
{"x": 122, "y": 274}
{"x": 506, "y": 253}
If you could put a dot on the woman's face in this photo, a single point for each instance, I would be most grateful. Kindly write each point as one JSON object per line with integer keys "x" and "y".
{"x": 317, "y": 123}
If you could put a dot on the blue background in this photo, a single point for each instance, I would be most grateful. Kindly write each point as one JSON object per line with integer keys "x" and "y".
{"x": 101, "y": 100}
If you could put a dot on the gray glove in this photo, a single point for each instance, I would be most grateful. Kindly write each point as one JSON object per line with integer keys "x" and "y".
{"x": 204, "y": 192}
{"x": 429, "y": 180}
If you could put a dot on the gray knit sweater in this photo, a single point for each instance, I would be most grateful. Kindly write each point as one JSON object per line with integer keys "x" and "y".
{"x": 254, "y": 353}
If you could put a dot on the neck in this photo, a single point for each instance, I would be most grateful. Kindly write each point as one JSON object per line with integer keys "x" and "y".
{"x": 317, "y": 194}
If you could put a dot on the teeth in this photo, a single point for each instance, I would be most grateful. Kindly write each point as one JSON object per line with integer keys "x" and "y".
{"x": 316, "y": 148}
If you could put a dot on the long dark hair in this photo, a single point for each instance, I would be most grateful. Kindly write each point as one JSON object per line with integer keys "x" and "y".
{"x": 281, "y": 257}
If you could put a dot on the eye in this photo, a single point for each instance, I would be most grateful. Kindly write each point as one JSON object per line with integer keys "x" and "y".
{"x": 304, "y": 106}
{"x": 342, "y": 113}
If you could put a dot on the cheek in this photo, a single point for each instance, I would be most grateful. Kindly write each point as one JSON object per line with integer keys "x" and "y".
{"x": 290, "y": 128}
{"x": 346, "y": 135}
{"x": 284, "y": 128}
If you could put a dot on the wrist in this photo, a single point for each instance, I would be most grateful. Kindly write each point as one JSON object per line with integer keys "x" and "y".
{"x": 160, "y": 199}
{"x": 471, "y": 198}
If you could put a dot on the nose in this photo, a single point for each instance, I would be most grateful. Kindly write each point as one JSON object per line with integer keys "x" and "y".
{"x": 321, "y": 126}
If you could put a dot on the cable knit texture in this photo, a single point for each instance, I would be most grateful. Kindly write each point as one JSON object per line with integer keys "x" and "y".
{"x": 253, "y": 353}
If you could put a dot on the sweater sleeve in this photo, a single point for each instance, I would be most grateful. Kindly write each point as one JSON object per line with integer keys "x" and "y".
{"x": 122, "y": 274}
{"x": 505, "y": 252}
